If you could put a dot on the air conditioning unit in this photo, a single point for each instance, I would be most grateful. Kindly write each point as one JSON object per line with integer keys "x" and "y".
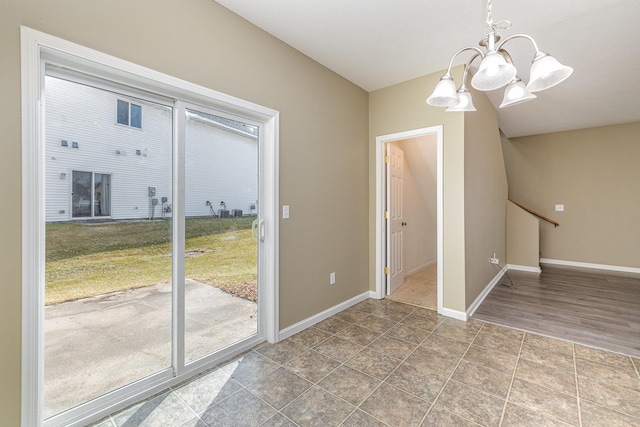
{"x": 236, "y": 212}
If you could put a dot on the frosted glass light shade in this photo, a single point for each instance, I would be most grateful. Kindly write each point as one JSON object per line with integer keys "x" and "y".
{"x": 465, "y": 104}
{"x": 516, "y": 93}
{"x": 493, "y": 73}
{"x": 546, "y": 72}
{"x": 444, "y": 94}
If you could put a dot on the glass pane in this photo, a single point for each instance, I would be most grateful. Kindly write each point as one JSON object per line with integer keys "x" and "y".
{"x": 102, "y": 195}
{"x": 123, "y": 112}
{"x": 107, "y": 280}
{"x": 81, "y": 194}
{"x": 136, "y": 116}
{"x": 221, "y": 178}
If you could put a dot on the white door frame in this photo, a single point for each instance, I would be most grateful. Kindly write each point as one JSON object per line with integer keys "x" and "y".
{"x": 380, "y": 200}
{"x": 37, "y": 48}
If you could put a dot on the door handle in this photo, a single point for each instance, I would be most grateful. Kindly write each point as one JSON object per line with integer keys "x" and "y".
{"x": 254, "y": 228}
{"x": 404, "y": 224}
{"x": 261, "y": 230}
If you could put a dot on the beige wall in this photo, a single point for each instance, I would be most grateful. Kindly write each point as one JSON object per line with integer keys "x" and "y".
{"x": 475, "y": 185}
{"x": 323, "y": 141}
{"x": 595, "y": 173}
{"x": 485, "y": 196}
{"x": 523, "y": 237}
{"x": 401, "y": 108}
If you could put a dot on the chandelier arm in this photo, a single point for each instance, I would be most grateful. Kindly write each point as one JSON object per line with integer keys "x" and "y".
{"x": 526, "y": 36}
{"x": 480, "y": 53}
{"x": 466, "y": 69}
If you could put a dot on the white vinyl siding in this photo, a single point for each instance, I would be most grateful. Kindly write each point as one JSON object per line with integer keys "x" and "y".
{"x": 84, "y": 115}
{"x": 220, "y": 166}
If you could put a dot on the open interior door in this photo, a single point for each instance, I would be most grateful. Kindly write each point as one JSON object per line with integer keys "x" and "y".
{"x": 394, "y": 214}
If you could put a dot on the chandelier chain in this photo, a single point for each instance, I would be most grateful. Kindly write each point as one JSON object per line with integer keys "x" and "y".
{"x": 493, "y": 26}
{"x": 489, "y": 18}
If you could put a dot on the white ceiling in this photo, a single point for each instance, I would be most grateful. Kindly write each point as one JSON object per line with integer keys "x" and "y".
{"x": 378, "y": 43}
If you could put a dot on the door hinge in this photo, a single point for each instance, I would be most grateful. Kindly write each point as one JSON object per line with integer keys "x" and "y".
{"x": 386, "y": 159}
{"x": 386, "y": 270}
{"x": 386, "y": 214}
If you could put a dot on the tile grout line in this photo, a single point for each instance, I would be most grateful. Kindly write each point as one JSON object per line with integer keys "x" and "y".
{"x": 357, "y": 407}
{"x": 513, "y": 378}
{"x": 172, "y": 390}
{"x": 635, "y": 366}
{"x": 450, "y": 376}
{"x": 392, "y": 371}
{"x": 317, "y": 384}
{"x": 575, "y": 371}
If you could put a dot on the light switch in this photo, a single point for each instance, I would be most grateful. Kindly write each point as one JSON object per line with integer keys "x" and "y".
{"x": 285, "y": 212}
{"x": 559, "y": 208}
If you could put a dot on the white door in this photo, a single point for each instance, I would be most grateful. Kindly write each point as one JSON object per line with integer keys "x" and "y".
{"x": 395, "y": 218}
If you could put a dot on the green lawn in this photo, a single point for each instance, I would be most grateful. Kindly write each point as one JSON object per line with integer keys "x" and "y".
{"x": 92, "y": 259}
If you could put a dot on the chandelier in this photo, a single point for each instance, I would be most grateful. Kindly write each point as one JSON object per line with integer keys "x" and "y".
{"x": 496, "y": 70}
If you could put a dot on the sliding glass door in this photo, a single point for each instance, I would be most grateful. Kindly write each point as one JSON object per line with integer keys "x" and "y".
{"x": 108, "y": 284}
{"x": 221, "y": 254}
{"x": 152, "y": 264}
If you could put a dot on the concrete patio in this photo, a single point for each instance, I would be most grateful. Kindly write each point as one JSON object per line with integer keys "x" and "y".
{"x": 98, "y": 344}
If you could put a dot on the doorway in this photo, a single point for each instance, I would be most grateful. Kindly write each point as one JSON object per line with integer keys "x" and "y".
{"x": 159, "y": 242}
{"x": 108, "y": 303}
{"x": 419, "y": 255}
{"x": 90, "y": 194}
{"x": 411, "y": 202}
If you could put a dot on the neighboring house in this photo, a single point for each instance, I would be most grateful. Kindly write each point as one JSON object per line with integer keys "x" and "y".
{"x": 110, "y": 156}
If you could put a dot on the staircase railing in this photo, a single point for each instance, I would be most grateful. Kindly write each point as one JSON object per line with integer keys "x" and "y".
{"x": 532, "y": 212}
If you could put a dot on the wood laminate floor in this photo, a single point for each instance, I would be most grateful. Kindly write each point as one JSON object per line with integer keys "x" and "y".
{"x": 592, "y": 307}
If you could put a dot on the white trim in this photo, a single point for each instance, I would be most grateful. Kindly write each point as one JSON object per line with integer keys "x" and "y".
{"x": 310, "y": 321}
{"x": 178, "y": 310}
{"x": 528, "y": 268}
{"x": 460, "y": 315}
{"x": 271, "y": 258}
{"x": 379, "y": 194}
{"x": 36, "y": 49}
{"x": 590, "y": 265}
{"x": 474, "y": 306}
{"x": 374, "y": 295}
{"x": 32, "y": 232}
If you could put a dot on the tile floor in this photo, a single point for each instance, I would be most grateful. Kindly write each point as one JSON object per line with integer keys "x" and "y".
{"x": 383, "y": 363}
{"x": 419, "y": 289}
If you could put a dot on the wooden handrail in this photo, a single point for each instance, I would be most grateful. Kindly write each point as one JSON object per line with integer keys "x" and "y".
{"x": 555, "y": 224}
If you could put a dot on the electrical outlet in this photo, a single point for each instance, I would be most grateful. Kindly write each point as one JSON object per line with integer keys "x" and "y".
{"x": 494, "y": 260}
{"x": 332, "y": 278}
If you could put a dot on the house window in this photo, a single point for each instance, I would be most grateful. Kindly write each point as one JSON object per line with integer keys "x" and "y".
{"x": 129, "y": 114}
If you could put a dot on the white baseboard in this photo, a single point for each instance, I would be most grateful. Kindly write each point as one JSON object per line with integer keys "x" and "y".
{"x": 590, "y": 265}
{"x": 524, "y": 268}
{"x": 310, "y": 321}
{"x": 460, "y": 315}
{"x": 474, "y": 306}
